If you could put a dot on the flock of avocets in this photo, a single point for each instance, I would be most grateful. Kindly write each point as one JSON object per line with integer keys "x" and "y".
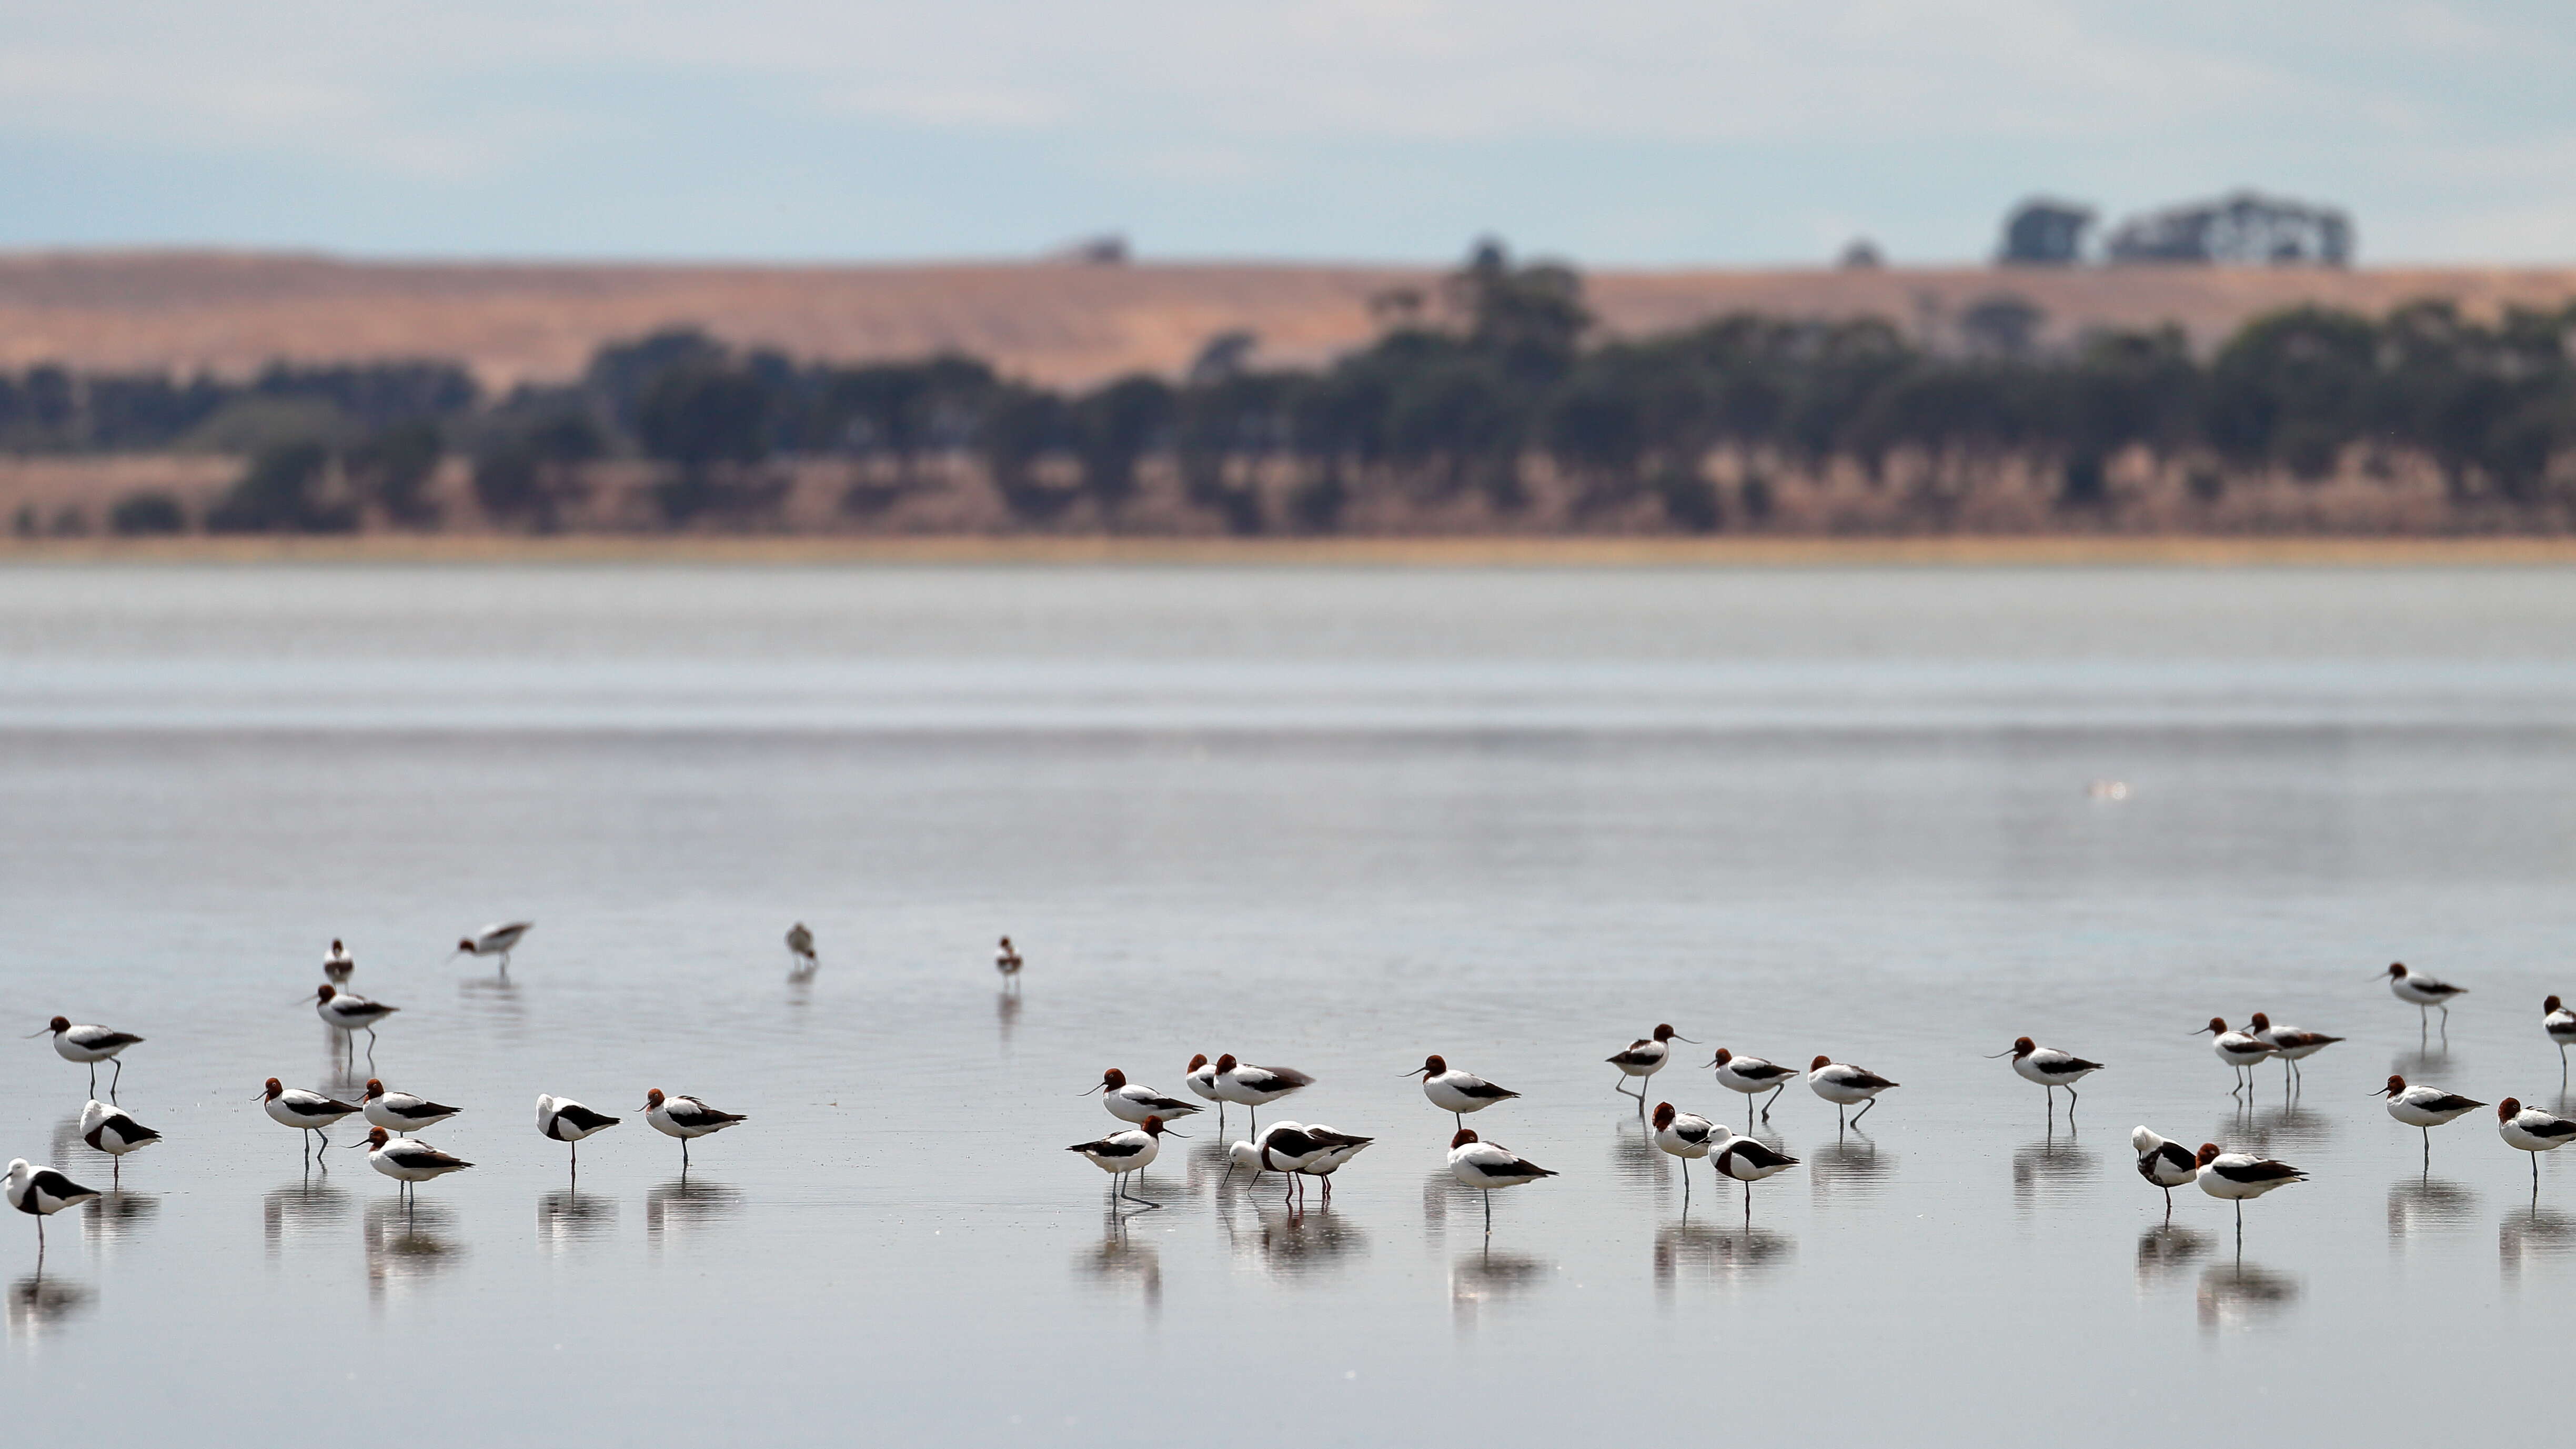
{"x": 1310, "y": 1150}
{"x": 1302, "y": 1150}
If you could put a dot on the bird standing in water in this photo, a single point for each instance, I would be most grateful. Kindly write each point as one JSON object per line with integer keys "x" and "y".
{"x": 1008, "y": 963}
{"x": 800, "y": 944}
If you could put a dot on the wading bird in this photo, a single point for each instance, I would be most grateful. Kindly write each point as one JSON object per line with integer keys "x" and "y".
{"x": 1339, "y": 1147}
{"x": 2050, "y": 1068}
{"x": 1201, "y": 1081}
{"x": 349, "y": 1013}
{"x": 2164, "y": 1162}
{"x": 2237, "y": 1176}
{"x": 337, "y": 966}
{"x": 112, "y": 1132}
{"x": 1843, "y": 1084}
{"x": 1752, "y": 1076}
{"x": 308, "y": 1112}
{"x": 1131, "y": 1103}
{"x": 684, "y": 1118}
{"x": 2239, "y": 1049}
{"x": 1747, "y": 1161}
{"x": 1684, "y": 1135}
{"x": 1458, "y": 1093}
{"x": 568, "y": 1121}
{"x": 1643, "y": 1058}
{"x": 407, "y": 1161}
{"x": 401, "y": 1112}
{"x": 2422, "y": 992}
{"x": 2560, "y": 1025}
{"x": 2424, "y": 1108}
{"x": 498, "y": 939}
{"x": 92, "y": 1045}
{"x": 1485, "y": 1167}
{"x": 1122, "y": 1153}
{"x": 41, "y": 1192}
{"x": 800, "y": 944}
{"x": 2291, "y": 1044}
{"x": 1008, "y": 963}
{"x": 2534, "y": 1131}
{"x": 1254, "y": 1087}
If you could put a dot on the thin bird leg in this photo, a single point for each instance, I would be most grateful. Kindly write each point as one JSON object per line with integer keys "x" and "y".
{"x": 684, "y": 1155}
{"x": 2168, "y": 1204}
{"x": 1685, "y": 1187}
{"x": 1766, "y": 1105}
{"x": 93, "y": 1091}
{"x": 1489, "y": 1214}
{"x": 113, "y": 1078}
{"x": 2428, "y": 1149}
{"x": 1863, "y": 1112}
{"x": 1748, "y": 1115}
{"x": 1839, "y": 1123}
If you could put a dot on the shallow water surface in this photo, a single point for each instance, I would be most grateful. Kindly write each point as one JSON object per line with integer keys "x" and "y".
{"x": 1333, "y": 819}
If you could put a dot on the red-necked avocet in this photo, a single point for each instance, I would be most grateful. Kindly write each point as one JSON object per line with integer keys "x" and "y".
{"x": 2424, "y": 1108}
{"x": 1458, "y": 1093}
{"x": 337, "y": 966}
{"x": 1129, "y": 1102}
{"x": 2291, "y": 1044}
{"x": 2050, "y": 1068}
{"x": 349, "y": 1013}
{"x": 568, "y": 1121}
{"x": 1752, "y": 1076}
{"x": 800, "y": 946}
{"x": 2237, "y": 1176}
{"x": 1201, "y": 1080}
{"x": 41, "y": 1192}
{"x": 110, "y": 1131}
{"x": 2423, "y": 993}
{"x": 2560, "y": 1025}
{"x": 1122, "y": 1153}
{"x": 1485, "y": 1167}
{"x": 1008, "y": 963}
{"x": 1643, "y": 1058}
{"x": 2239, "y": 1049}
{"x": 1685, "y": 1135}
{"x": 1746, "y": 1160}
{"x": 1842, "y": 1084}
{"x": 1253, "y": 1088}
{"x": 91, "y": 1045}
{"x": 498, "y": 939}
{"x": 2164, "y": 1162}
{"x": 685, "y": 1117}
{"x": 401, "y": 1112}
{"x": 1255, "y": 1156}
{"x": 308, "y": 1112}
{"x": 2534, "y": 1131}
{"x": 1339, "y": 1147}
{"x": 406, "y": 1160}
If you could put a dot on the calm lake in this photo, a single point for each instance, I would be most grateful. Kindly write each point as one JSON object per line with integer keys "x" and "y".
{"x": 1333, "y": 819}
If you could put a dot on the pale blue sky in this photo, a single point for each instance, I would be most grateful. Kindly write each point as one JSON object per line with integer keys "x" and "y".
{"x": 1656, "y": 132}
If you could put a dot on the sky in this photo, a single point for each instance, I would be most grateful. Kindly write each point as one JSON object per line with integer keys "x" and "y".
{"x": 1666, "y": 133}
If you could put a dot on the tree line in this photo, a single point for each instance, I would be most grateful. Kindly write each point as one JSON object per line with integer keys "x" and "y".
{"x": 1501, "y": 376}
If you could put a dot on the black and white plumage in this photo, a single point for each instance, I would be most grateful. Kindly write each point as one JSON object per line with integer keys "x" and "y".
{"x": 2425, "y": 1108}
{"x": 338, "y": 966}
{"x": 1642, "y": 1058}
{"x": 800, "y": 945}
{"x": 109, "y": 1130}
{"x": 1201, "y": 1080}
{"x": 1123, "y": 1154}
{"x": 1747, "y": 1160}
{"x": 2241, "y": 1050}
{"x": 1339, "y": 1147}
{"x": 2422, "y": 992}
{"x": 685, "y": 1117}
{"x": 1253, "y": 1088}
{"x": 309, "y": 1112}
{"x": 2164, "y": 1163}
{"x": 1842, "y": 1084}
{"x": 1685, "y": 1135}
{"x": 498, "y": 939}
{"x": 349, "y": 1013}
{"x": 2559, "y": 1024}
{"x": 1487, "y": 1166}
{"x": 1129, "y": 1102}
{"x": 90, "y": 1045}
{"x": 2533, "y": 1131}
{"x": 407, "y": 1160}
{"x": 2237, "y": 1176}
{"x": 41, "y": 1192}
{"x": 1007, "y": 961}
{"x": 401, "y": 1111}
{"x": 1752, "y": 1076}
{"x": 2051, "y": 1069}
{"x": 1458, "y": 1093}
{"x": 567, "y": 1121}
{"x": 2291, "y": 1044}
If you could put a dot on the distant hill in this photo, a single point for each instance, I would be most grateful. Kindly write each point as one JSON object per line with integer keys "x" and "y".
{"x": 1063, "y": 323}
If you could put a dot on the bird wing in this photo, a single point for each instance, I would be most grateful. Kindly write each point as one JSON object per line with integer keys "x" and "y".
{"x": 583, "y": 1118}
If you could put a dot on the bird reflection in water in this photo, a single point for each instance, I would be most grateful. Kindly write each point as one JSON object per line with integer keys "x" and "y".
{"x": 2238, "y": 1294}
{"x": 1006, "y": 1013}
{"x": 1304, "y": 1245}
{"x": 2272, "y": 1129}
{"x": 494, "y": 998}
{"x": 566, "y": 1218}
{"x": 2532, "y": 1235}
{"x": 2422, "y": 1066}
{"x": 2165, "y": 1252}
{"x": 681, "y": 1205}
{"x": 1125, "y": 1262}
{"x": 1483, "y": 1277}
{"x": 1841, "y": 1170}
{"x": 1204, "y": 1170}
{"x": 2053, "y": 1169}
{"x": 407, "y": 1241}
{"x": 37, "y": 1303}
{"x": 311, "y": 1203}
{"x": 2418, "y": 1203}
{"x": 117, "y": 1218}
{"x": 1707, "y": 1253}
{"x": 1635, "y": 1160}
